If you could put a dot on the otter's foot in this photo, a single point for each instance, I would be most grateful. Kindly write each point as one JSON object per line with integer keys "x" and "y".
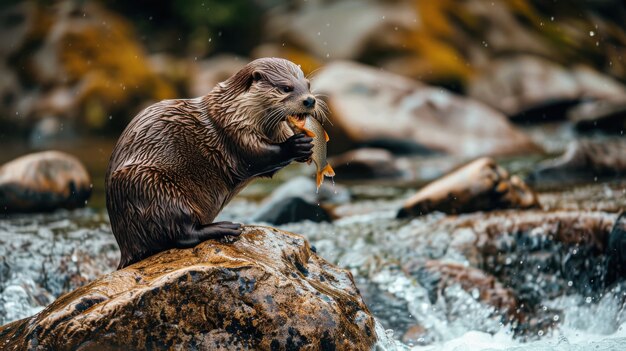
{"x": 196, "y": 235}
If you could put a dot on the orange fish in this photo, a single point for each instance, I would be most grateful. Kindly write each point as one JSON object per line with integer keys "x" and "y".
{"x": 312, "y": 128}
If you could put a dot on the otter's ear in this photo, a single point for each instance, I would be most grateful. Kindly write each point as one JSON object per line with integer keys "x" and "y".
{"x": 256, "y": 76}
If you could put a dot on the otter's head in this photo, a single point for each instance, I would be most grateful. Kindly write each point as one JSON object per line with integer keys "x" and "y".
{"x": 271, "y": 89}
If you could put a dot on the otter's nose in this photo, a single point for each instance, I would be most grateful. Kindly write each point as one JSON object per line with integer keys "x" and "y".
{"x": 309, "y": 102}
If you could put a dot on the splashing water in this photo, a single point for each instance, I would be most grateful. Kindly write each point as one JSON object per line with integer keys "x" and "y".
{"x": 44, "y": 256}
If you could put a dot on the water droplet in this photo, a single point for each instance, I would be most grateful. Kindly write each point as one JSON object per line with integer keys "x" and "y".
{"x": 588, "y": 299}
{"x": 540, "y": 333}
{"x": 555, "y": 318}
{"x": 570, "y": 283}
{"x": 591, "y": 33}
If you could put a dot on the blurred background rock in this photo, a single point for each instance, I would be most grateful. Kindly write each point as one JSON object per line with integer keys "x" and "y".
{"x": 91, "y": 65}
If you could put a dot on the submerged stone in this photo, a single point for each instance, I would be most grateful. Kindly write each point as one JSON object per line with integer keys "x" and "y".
{"x": 264, "y": 290}
{"x": 291, "y": 210}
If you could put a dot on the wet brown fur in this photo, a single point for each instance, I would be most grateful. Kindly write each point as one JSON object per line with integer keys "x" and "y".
{"x": 179, "y": 162}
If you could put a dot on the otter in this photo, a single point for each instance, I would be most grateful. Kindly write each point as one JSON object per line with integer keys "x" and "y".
{"x": 179, "y": 162}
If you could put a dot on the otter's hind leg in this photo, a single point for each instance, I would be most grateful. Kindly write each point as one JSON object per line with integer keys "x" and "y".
{"x": 150, "y": 212}
{"x": 194, "y": 235}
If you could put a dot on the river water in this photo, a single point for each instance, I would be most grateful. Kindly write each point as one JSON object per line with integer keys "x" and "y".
{"x": 45, "y": 255}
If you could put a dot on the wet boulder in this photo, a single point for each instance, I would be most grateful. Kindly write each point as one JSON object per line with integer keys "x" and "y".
{"x": 369, "y": 105}
{"x": 481, "y": 185}
{"x": 528, "y": 88}
{"x": 583, "y": 161}
{"x": 263, "y": 290}
{"x": 43, "y": 181}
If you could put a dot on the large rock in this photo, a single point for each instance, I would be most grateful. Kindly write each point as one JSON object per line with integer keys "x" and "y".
{"x": 583, "y": 161}
{"x": 43, "y": 181}
{"x": 529, "y": 88}
{"x": 369, "y": 105}
{"x": 265, "y": 290}
{"x": 481, "y": 185}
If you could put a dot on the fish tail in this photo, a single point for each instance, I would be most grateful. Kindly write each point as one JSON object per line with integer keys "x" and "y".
{"x": 326, "y": 171}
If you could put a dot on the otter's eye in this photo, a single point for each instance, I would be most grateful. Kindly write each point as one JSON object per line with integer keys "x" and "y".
{"x": 286, "y": 89}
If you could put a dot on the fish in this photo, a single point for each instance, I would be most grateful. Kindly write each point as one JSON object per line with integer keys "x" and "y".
{"x": 311, "y": 127}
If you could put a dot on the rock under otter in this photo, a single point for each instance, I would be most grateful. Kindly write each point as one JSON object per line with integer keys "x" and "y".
{"x": 265, "y": 290}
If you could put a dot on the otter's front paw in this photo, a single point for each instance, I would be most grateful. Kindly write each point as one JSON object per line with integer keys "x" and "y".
{"x": 298, "y": 147}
